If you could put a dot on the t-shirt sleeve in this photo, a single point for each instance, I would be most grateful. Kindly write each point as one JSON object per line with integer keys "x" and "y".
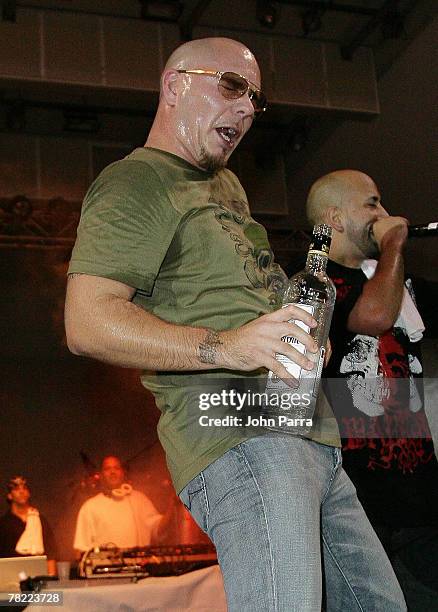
{"x": 84, "y": 531}
{"x": 150, "y": 518}
{"x": 127, "y": 224}
{"x": 426, "y": 297}
{"x": 148, "y": 509}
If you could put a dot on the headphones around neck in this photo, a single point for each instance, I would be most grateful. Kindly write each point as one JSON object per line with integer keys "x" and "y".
{"x": 124, "y": 490}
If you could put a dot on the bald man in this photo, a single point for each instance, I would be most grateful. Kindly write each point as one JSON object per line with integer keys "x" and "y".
{"x": 170, "y": 273}
{"x": 387, "y": 448}
{"x": 118, "y": 515}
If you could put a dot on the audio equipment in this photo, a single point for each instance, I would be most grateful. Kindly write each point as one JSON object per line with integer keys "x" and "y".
{"x": 145, "y": 561}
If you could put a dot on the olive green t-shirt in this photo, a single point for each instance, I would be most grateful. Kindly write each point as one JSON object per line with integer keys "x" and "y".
{"x": 185, "y": 240}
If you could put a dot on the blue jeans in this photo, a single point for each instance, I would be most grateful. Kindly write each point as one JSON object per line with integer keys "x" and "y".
{"x": 273, "y": 506}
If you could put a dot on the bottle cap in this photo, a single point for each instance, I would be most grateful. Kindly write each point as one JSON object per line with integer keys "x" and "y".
{"x": 321, "y": 239}
{"x": 322, "y": 229}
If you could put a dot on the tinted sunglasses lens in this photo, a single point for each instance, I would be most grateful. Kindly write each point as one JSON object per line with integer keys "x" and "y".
{"x": 232, "y": 85}
{"x": 259, "y": 101}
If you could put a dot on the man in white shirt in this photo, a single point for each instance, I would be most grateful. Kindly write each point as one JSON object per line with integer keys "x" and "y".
{"x": 119, "y": 515}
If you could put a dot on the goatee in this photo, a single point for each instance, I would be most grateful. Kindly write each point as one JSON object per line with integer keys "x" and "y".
{"x": 212, "y": 163}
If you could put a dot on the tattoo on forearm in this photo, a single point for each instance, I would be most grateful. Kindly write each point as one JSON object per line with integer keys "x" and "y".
{"x": 207, "y": 350}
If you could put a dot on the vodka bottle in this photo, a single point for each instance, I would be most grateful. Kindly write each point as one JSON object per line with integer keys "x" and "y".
{"x": 313, "y": 291}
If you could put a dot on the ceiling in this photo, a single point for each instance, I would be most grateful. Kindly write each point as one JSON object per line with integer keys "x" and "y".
{"x": 385, "y": 26}
{"x": 349, "y": 23}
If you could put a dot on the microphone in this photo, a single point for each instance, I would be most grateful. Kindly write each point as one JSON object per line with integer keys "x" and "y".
{"x": 423, "y": 230}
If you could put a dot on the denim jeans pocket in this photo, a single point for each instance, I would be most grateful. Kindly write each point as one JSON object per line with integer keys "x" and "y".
{"x": 194, "y": 498}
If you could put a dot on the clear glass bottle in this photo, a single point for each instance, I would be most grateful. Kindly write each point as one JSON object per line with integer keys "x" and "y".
{"x": 313, "y": 291}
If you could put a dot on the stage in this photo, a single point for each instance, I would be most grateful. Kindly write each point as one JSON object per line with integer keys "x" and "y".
{"x": 197, "y": 591}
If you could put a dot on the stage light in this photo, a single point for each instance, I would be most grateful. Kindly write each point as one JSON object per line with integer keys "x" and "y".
{"x": 266, "y": 13}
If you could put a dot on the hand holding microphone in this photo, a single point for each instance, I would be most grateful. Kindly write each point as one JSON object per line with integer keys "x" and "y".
{"x": 390, "y": 229}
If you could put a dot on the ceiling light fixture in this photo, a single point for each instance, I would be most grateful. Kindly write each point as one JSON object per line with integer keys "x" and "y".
{"x": 266, "y": 13}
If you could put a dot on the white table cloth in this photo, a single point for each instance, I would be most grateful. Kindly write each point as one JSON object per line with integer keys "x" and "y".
{"x": 198, "y": 591}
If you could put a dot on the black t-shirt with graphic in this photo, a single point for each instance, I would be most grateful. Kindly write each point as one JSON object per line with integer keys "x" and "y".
{"x": 378, "y": 399}
{"x": 376, "y": 391}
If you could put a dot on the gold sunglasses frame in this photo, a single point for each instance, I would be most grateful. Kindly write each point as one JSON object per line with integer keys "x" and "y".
{"x": 251, "y": 87}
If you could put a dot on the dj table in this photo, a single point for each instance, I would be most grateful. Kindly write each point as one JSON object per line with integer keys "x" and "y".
{"x": 146, "y": 561}
{"x": 197, "y": 591}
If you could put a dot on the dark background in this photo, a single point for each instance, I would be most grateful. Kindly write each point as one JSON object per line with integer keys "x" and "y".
{"x": 55, "y": 405}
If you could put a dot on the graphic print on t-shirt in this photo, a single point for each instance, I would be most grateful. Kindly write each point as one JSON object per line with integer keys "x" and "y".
{"x": 251, "y": 243}
{"x": 371, "y": 364}
{"x": 381, "y": 410}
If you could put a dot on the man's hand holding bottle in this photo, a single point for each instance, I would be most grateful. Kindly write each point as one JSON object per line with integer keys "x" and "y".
{"x": 255, "y": 344}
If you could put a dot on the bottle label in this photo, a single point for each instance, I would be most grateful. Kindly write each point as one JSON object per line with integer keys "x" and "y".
{"x": 323, "y": 253}
{"x": 318, "y": 246}
{"x": 293, "y": 368}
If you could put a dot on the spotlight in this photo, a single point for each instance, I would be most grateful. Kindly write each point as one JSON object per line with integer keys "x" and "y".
{"x": 266, "y": 13}
{"x": 21, "y": 208}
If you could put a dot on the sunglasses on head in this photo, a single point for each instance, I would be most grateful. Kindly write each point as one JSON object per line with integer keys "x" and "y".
{"x": 232, "y": 86}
